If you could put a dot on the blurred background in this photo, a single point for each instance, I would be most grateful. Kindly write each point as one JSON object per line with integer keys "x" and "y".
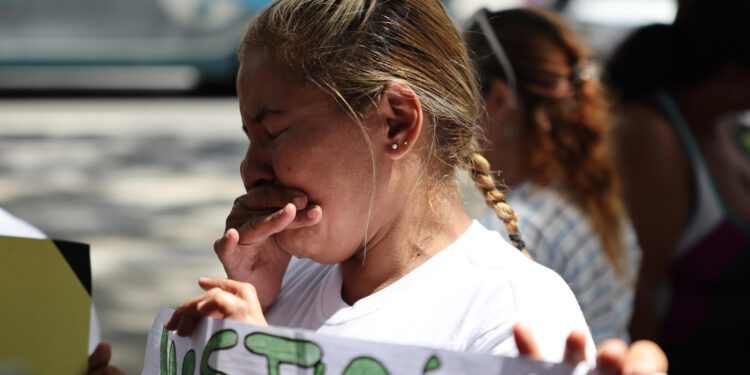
{"x": 119, "y": 128}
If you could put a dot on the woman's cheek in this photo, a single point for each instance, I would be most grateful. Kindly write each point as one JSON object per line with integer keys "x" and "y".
{"x": 285, "y": 166}
{"x": 291, "y": 157}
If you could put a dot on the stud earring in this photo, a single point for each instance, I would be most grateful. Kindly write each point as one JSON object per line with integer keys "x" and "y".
{"x": 394, "y": 146}
{"x": 406, "y": 142}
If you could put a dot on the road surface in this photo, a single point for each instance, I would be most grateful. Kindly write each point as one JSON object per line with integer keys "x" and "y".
{"x": 147, "y": 182}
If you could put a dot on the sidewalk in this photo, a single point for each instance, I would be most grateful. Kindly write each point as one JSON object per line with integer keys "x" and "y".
{"x": 147, "y": 182}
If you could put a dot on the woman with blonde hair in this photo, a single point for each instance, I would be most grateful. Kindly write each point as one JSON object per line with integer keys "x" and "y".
{"x": 358, "y": 114}
{"x": 547, "y": 124}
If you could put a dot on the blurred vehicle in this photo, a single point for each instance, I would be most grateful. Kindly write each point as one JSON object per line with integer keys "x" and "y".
{"x": 190, "y": 44}
{"x": 121, "y": 44}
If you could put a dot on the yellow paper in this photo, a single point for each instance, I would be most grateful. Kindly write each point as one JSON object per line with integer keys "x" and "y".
{"x": 44, "y": 310}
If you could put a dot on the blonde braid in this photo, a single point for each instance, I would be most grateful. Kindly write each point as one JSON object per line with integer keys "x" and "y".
{"x": 479, "y": 169}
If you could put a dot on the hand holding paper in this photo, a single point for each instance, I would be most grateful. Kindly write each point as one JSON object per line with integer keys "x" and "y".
{"x": 99, "y": 361}
{"x": 642, "y": 357}
{"x": 224, "y": 299}
{"x": 613, "y": 356}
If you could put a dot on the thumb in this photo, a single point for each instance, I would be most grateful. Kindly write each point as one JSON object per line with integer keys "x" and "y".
{"x": 227, "y": 242}
{"x": 101, "y": 356}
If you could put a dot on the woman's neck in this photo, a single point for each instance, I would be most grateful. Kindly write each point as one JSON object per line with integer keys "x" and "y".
{"x": 427, "y": 222}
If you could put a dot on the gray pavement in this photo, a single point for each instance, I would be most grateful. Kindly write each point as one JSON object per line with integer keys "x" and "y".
{"x": 147, "y": 182}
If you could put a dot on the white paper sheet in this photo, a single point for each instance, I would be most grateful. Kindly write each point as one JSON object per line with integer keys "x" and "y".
{"x": 224, "y": 346}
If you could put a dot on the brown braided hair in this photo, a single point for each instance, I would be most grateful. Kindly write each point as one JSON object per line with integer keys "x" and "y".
{"x": 565, "y": 114}
{"x": 354, "y": 48}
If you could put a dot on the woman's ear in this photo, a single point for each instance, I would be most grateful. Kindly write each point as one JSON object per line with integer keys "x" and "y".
{"x": 499, "y": 101}
{"x": 400, "y": 108}
{"x": 503, "y": 121}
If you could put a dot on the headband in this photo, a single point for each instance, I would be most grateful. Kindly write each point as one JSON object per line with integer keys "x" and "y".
{"x": 498, "y": 51}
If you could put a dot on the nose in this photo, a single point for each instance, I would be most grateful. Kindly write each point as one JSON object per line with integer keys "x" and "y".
{"x": 256, "y": 167}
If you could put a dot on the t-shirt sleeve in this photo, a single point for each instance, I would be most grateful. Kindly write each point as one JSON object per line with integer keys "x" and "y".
{"x": 548, "y": 307}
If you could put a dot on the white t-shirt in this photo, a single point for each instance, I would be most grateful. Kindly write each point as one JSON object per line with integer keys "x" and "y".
{"x": 465, "y": 298}
{"x": 11, "y": 226}
{"x": 559, "y": 236}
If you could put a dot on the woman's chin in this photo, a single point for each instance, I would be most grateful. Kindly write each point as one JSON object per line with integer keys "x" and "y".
{"x": 306, "y": 243}
{"x": 296, "y": 242}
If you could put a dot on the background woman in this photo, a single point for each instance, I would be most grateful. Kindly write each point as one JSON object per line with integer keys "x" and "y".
{"x": 547, "y": 125}
{"x": 686, "y": 181}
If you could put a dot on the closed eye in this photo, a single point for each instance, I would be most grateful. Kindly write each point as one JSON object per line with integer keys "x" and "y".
{"x": 277, "y": 133}
{"x": 273, "y": 128}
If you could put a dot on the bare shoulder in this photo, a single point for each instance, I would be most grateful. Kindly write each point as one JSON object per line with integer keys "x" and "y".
{"x": 655, "y": 175}
{"x": 641, "y": 125}
{"x": 646, "y": 145}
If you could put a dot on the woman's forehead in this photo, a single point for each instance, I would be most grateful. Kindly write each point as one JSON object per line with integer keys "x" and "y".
{"x": 261, "y": 74}
{"x": 264, "y": 86}
{"x": 258, "y": 63}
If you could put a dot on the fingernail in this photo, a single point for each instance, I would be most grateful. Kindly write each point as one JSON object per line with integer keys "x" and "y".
{"x": 299, "y": 202}
{"x": 281, "y": 211}
{"x": 311, "y": 213}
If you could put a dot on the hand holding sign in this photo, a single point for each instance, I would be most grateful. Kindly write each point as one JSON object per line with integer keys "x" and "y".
{"x": 224, "y": 299}
{"x": 248, "y": 250}
{"x": 642, "y": 357}
{"x": 613, "y": 356}
{"x": 575, "y": 345}
{"x": 99, "y": 361}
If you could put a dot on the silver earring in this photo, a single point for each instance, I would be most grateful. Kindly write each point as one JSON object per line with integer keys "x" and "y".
{"x": 394, "y": 146}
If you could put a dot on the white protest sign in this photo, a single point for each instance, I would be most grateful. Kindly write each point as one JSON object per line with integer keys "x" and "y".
{"x": 229, "y": 347}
